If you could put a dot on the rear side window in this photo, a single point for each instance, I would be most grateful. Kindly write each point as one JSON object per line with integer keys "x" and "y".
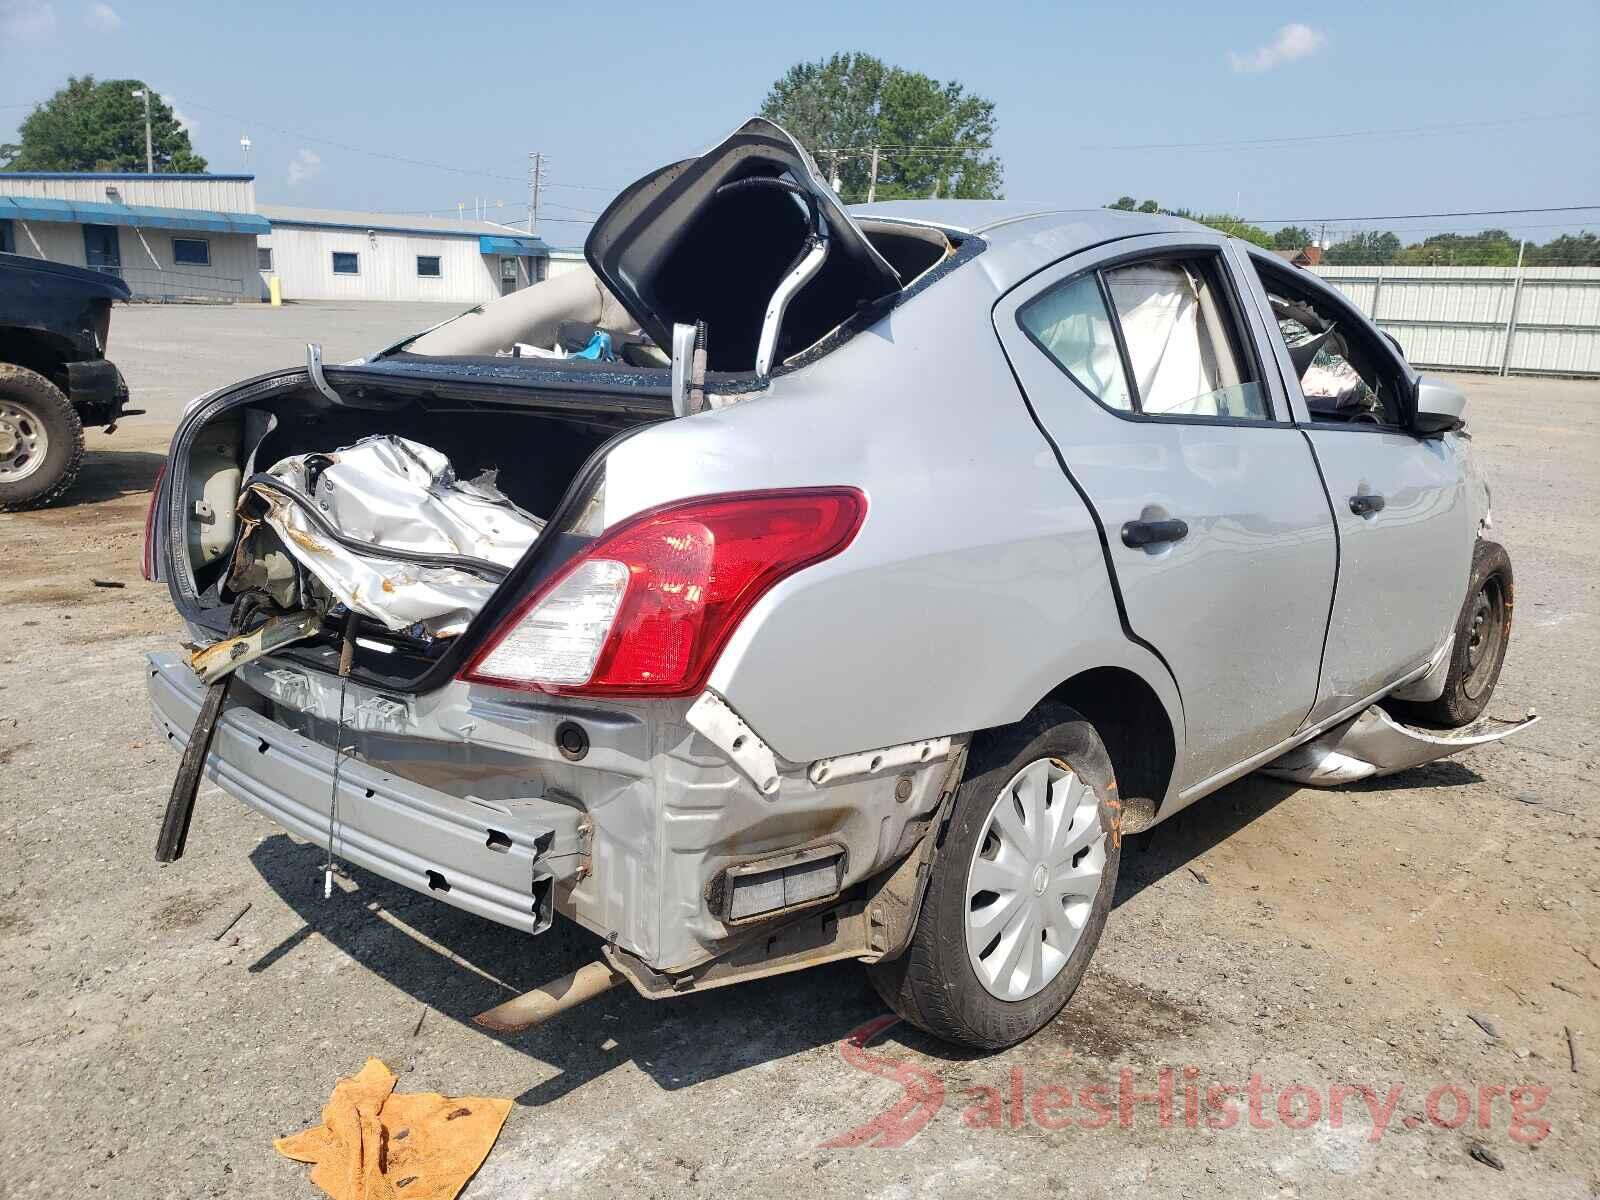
{"x": 1155, "y": 337}
{"x": 1070, "y": 324}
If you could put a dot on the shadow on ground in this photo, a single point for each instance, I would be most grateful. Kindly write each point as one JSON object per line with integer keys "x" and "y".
{"x": 677, "y": 1042}
{"x": 110, "y": 474}
{"x": 473, "y": 964}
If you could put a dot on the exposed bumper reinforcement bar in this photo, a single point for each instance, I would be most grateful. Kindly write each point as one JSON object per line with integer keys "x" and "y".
{"x": 479, "y": 856}
{"x": 1374, "y": 743}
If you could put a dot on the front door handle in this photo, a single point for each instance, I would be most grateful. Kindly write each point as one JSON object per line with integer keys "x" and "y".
{"x": 1149, "y": 533}
{"x": 1365, "y": 505}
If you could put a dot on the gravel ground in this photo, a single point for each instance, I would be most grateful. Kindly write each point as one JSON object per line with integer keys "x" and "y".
{"x": 1306, "y": 938}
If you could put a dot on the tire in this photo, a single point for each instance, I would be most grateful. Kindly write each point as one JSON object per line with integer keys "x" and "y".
{"x": 41, "y": 440}
{"x": 935, "y": 983}
{"x": 1482, "y": 633}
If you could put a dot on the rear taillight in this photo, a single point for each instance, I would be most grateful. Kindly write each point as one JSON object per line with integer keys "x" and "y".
{"x": 147, "y": 560}
{"x": 648, "y": 607}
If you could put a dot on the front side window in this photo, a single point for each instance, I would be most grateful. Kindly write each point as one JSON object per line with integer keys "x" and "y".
{"x": 346, "y": 263}
{"x": 1346, "y": 377}
{"x": 1155, "y": 337}
{"x": 428, "y": 266}
{"x": 192, "y": 252}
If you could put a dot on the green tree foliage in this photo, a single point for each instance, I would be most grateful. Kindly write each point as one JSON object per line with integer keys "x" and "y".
{"x": 1368, "y": 248}
{"x": 840, "y": 107}
{"x": 91, "y": 125}
{"x": 1490, "y": 248}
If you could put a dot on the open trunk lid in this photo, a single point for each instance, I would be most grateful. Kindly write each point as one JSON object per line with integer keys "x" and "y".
{"x": 705, "y": 240}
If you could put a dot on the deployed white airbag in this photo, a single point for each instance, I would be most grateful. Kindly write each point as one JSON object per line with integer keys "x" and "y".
{"x": 390, "y": 531}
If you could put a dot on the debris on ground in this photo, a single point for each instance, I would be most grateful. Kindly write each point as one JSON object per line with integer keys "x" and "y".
{"x": 238, "y": 914}
{"x": 108, "y": 583}
{"x": 414, "y": 1145}
{"x": 1572, "y": 1047}
{"x": 1485, "y": 1024}
{"x": 1199, "y": 875}
{"x": 1486, "y": 1156}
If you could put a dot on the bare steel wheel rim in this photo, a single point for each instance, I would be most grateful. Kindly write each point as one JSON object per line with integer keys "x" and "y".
{"x": 1033, "y": 879}
{"x": 24, "y": 442}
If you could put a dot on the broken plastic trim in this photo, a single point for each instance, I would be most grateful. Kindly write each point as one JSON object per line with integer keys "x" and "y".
{"x": 221, "y": 659}
{"x": 1374, "y": 743}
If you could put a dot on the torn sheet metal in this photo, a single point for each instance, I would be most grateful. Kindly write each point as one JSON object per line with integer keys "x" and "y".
{"x": 1374, "y": 743}
{"x": 391, "y": 532}
{"x": 220, "y": 659}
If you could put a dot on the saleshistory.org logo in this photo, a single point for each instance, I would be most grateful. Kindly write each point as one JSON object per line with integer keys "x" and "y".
{"x": 1176, "y": 1097}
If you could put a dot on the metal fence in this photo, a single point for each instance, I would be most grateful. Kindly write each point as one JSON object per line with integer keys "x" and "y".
{"x": 154, "y": 285}
{"x": 1509, "y": 320}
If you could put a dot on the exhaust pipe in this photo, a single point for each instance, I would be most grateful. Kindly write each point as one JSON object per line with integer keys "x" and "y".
{"x": 548, "y": 999}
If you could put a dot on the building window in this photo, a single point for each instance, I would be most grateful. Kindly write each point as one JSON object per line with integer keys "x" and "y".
{"x": 346, "y": 263}
{"x": 428, "y": 266}
{"x": 264, "y": 258}
{"x": 8, "y": 240}
{"x": 191, "y": 252}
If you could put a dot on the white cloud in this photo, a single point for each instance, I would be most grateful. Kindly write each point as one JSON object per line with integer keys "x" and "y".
{"x": 306, "y": 164}
{"x": 25, "y": 21}
{"x": 1288, "y": 44}
{"x": 102, "y": 18}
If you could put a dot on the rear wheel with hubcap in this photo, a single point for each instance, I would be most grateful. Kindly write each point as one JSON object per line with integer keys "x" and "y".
{"x": 1020, "y": 890}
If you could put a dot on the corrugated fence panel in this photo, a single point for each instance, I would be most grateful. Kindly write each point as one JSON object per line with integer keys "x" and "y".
{"x": 1456, "y": 316}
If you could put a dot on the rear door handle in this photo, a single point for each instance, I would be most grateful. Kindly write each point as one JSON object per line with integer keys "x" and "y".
{"x": 1363, "y": 505}
{"x": 1149, "y": 533}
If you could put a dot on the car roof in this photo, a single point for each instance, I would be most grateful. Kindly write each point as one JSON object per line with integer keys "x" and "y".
{"x": 1025, "y": 237}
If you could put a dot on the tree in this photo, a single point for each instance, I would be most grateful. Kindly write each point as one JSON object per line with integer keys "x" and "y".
{"x": 91, "y": 125}
{"x": 1363, "y": 249}
{"x": 1292, "y": 237}
{"x": 1149, "y": 206}
{"x": 938, "y": 135}
{"x": 1568, "y": 250}
{"x": 1125, "y": 203}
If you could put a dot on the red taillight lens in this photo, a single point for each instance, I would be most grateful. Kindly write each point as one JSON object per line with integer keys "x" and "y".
{"x": 647, "y": 608}
{"x": 147, "y": 559}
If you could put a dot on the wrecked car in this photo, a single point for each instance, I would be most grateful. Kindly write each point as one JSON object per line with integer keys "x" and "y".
{"x": 54, "y": 377}
{"x": 851, "y": 599}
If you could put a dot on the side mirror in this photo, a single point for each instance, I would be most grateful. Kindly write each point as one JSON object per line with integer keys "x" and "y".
{"x": 1441, "y": 407}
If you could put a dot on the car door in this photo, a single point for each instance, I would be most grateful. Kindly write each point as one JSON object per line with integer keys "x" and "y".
{"x": 1146, "y": 371}
{"x": 1405, "y": 521}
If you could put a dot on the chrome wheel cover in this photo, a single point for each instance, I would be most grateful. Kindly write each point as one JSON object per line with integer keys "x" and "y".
{"x": 1033, "y": 879}
{"x": 24, "y": 442}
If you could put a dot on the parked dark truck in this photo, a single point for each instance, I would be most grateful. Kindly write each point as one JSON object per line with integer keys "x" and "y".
{"x": 54, "y": 377}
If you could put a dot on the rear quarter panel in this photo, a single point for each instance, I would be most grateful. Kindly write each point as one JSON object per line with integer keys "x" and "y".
{"x": 977, "y": 582}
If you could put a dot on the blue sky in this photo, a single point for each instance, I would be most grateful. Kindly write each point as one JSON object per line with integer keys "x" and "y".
{"x": 478, "y": 86}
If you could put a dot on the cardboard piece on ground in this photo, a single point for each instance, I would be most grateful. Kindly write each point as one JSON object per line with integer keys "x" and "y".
{"x": 375, "y": 1144}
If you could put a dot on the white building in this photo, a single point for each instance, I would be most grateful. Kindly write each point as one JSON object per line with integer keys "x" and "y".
{"x": 167, "y": 236}
{"x": 319, "y": 254}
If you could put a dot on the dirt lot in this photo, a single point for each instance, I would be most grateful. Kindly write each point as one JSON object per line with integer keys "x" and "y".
{"x": 1310, "y": 938}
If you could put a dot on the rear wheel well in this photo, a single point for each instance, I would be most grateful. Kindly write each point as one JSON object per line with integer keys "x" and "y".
{"x": 1130, "y": 719}
{"x": 39, "y": 352}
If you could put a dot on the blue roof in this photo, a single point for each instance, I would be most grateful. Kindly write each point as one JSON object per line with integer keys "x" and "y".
{"x": 524, "y": 247}
{"x": 143, "y": 216}
{"x": 121, "y": 175}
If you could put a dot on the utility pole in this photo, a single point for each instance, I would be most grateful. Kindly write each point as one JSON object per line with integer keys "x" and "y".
{"x": 872, "y": 177}
{"x": 535, "y": 169}
{"x": 149, "y": 152}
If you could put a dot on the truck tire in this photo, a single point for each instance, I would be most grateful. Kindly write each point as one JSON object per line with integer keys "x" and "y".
{"x": 1020, "y": 889}
{"x": 1483, "y": 631}
{"x": 41, "y": 440}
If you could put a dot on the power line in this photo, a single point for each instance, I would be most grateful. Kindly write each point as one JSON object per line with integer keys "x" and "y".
{"x": 1349, "y": 134}
{"x": 1485, "y": 212}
